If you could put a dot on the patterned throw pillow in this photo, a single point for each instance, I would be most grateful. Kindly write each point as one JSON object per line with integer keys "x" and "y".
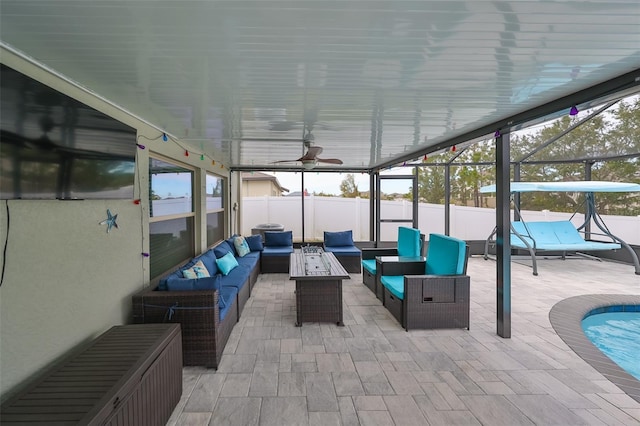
{"x": 196, "y": 271}
{"x": 242, "y": 248}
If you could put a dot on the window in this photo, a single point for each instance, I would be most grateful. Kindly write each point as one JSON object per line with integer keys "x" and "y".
{"x": 214, "y": 195}
{"x": 172, "y": 217}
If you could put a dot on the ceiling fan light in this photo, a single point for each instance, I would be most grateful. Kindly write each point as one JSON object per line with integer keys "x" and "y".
{"x": 309, "y": 164}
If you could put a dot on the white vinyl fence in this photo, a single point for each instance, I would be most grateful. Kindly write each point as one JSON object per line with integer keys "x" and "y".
{"x": 339, "y": 214}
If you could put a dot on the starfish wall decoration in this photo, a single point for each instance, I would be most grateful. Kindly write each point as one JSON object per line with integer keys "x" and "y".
{"x": 110, "y": 221}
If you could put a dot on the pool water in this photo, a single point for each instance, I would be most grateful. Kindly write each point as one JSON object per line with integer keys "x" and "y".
{"x": 617, "y": 335}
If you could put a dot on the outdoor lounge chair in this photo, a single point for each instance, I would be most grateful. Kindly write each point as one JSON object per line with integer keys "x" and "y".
{"x": 410, "y": 244}
{"x": 438, "y": 299}
{"x": 343, "y": 248}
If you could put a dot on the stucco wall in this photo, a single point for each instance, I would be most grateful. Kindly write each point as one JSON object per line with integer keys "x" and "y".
{"x": 66, "y": 279}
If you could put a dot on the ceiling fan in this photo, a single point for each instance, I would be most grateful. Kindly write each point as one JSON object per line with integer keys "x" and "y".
{"x": 310, "y": 159}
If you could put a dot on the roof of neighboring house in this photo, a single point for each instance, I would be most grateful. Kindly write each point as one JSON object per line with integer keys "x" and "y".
{"x": 259, "y": 176}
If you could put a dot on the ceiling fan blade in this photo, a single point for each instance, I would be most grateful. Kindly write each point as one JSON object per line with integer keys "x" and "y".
{"x": 286, "y": 161}
{"x": 312, "y": 152}
{"x": 329, "y": 160}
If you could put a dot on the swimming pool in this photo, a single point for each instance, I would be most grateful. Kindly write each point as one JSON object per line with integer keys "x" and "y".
{"x": 617, "y": 335}
{"x": 566, "y": 317}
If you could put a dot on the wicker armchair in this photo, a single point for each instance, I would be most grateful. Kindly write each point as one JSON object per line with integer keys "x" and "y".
{"x": 410, "y": 244}
{"x": 438, "y": 299}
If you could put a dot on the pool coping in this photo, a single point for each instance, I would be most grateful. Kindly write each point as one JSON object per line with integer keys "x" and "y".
{"x": 566, "y": 318}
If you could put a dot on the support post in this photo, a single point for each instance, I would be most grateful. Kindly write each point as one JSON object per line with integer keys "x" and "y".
{"x": 516, "y": 196}
{"x": 588, "y": 165}
{"x": 447, "y": 199}
{"x": 503, "y": 240}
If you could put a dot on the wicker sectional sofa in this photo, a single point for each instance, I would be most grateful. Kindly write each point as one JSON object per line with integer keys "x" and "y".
{"x": 207, "y": 308}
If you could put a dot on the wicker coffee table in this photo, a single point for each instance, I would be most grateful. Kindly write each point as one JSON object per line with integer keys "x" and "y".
{"x": 318, "y": 275}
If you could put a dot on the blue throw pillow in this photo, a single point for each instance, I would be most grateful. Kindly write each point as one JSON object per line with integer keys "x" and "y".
{"x": 337, "y": 239}
{"x": 231, "y": 241}
{"x": 254, "y": 242}
{"x": 242, "y": 248}
{"x": 226, "y": 263}
{"x": 278, "y": 238}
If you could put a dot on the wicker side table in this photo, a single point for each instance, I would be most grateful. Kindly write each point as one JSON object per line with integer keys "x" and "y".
{"x": 318, "y": 288}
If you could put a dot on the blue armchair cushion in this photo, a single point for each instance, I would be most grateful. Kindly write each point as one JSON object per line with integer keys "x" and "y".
{"x": 226, "y": 263}
{"x": 254, "y": 242}
{"x": 445, "y": 256}
{"x": 395, "y": 285}
{"x": 222, "y": 249}
{"x": 278, "y": 238}
{"x": 369, "y": 265}
{"x": 277, "y": 251}
{"x": 175, "y": 283}
{"x": 242, "y": 248}
{"x": 408, "y": 241}
{"x": 338, "y": 239}
{"x": 344, "y": 250}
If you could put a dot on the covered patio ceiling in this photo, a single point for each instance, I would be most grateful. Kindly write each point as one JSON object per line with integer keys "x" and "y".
{"x": 372, "y": 83}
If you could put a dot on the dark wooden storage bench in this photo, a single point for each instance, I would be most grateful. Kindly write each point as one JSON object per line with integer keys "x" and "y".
{"x": 130, "y": 375}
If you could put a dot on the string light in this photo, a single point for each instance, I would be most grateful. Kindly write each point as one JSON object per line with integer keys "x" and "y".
{"x": 425, "y": 158}
{"x": 497, "y": 134}
{"x": 213, "y": 162}
{"x": 453, "y": 148}
{"x": 202, "y": 157}
{"x": 573, "y": 111}
{"x": 139, "y": 145}
{"x": 164, "y": 137}
{"x": 186, "y": 153}
{"x": 145, "y": 254}
{"x": 136, "y": 201}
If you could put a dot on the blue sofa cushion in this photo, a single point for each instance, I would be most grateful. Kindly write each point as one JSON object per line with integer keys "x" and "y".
{"x": 338, "y": 239}
{"x": 175, "y": 283}
{"x": 250, "y": 260}
{"x": 226, "y": 263}
{"x": 277, "y": 251}
{"x": 446, "y": 255}
{"x": 208, "y": 258}
{"x": 278, "y": 238}
{"x": 226, "y": 297}
{"x": 222, "y": 249}
{"x": 162, "y": 284}
{"x": 254, "y": 242}
{"x": 231, "y": 241}
{"x": 237, "y": 278}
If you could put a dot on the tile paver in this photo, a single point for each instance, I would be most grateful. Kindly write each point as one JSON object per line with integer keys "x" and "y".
{"x": 372, "y": 372}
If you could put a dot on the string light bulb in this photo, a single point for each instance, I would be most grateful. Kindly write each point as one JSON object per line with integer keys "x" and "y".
{"x": 139, "y": 145}
{"x": 164, "y": 137}
{"x": 573, "y": 111}
{"x": 202, "y": 157}
{"x": 453, "y": 148}
{"x": 186, "y": 153}
{"x": 497, "y": 134}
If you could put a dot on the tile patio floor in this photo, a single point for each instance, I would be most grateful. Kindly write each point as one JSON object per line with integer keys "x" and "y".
{"x": 372, "y": 372}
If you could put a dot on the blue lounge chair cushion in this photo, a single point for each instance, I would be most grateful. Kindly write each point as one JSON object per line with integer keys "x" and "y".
{"x": 278, "y": 238}
{"x": 254, "y": 242}
{"x": 277, "y": 251}
{"x": 344, "y": 250}
{"x": 338, "y": 239}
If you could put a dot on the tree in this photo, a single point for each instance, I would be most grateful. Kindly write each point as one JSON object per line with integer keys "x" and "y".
{"x": 348, "y": 187}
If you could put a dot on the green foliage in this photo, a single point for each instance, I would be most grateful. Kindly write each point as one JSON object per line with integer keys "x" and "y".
{"x": 348, "y": 187}
{"x": 615, "y": 133}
